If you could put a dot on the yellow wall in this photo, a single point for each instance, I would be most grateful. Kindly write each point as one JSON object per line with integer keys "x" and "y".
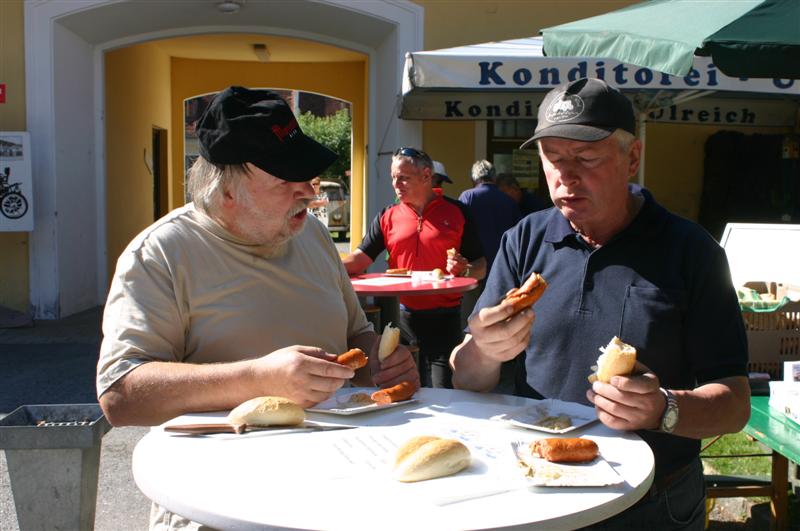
{"x": 137, "y": 99}
{"x": 345, "y": 81}
{"x": 13, "y": 245}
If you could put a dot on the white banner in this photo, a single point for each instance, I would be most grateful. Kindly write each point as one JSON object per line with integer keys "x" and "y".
{"x": 707, "y": 110}
{"x": 519, "y": 64}
{"x": 16, "y": 191}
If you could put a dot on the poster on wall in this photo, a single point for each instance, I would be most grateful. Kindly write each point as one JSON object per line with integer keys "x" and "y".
{"x": 16, "y": 183}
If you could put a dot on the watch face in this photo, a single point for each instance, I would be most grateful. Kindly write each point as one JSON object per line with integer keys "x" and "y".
{"x": 670, "y": 420}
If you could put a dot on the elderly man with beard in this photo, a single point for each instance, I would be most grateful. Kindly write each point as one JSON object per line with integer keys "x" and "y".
{"x": 240, "y": 293}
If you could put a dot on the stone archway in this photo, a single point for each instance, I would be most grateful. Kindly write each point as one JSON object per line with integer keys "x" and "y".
{"x": 64, "y": 46}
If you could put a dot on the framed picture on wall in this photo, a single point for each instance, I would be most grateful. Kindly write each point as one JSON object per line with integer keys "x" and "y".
{"x": 16, "y": 182}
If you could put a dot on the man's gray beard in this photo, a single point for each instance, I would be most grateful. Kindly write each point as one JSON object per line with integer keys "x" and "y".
{"x": 278, "y": 245}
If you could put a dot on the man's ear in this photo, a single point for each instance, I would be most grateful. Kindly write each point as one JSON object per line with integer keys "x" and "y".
{"x": 634, "y": 157}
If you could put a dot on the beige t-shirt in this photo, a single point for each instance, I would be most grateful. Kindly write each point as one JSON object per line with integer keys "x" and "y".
{"x": 186, "y": 290}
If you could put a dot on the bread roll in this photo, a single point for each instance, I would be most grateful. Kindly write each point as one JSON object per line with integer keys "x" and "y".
{"x": 389, "y": 341}
{"x": 411, "y": 446}
{"x": 617, "y": 359}
{"x": 438, "y": 273}
{"x": 267, "y": 411}
{"x": 428, "y": 457}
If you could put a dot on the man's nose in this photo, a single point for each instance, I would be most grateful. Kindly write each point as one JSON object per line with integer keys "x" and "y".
{"x": 568, "y": 173}
{"x": 305, "y": 189}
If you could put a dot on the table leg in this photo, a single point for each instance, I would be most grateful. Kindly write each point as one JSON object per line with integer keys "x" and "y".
{"x": 780, "y": 486}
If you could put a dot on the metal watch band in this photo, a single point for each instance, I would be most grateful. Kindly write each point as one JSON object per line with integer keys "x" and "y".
{"x": 670, "y": 417}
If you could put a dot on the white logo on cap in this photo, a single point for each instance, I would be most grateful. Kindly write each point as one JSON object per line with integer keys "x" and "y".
{"x": 564, "y": 108}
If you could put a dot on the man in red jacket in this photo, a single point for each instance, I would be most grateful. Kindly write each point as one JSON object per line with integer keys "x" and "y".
{"x": 417, "y": 232}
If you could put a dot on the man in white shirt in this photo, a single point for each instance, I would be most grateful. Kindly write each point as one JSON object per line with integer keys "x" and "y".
{"x": 240, "y": 293}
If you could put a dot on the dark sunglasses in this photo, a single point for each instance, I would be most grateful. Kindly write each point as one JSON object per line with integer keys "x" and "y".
{"x": 411, "y": 152}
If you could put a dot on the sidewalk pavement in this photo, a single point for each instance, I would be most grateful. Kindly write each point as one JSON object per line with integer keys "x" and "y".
{"x": 53, "y": 362}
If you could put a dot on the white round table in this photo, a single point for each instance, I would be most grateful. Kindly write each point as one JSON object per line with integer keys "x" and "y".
{"x": 341, "y": 479}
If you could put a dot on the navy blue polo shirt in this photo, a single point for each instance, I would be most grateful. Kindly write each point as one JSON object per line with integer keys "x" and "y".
{"x": 494, "y": 213}
{"x": 662, "y": 285}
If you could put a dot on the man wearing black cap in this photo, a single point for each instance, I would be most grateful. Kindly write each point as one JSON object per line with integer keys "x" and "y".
{"x": 616, "y": 264}
{"x": 240, "y": 293}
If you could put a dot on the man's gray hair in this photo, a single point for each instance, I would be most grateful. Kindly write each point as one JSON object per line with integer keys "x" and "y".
{"x": 417, "y": 157}
{"x": 207, "y": 183}
{"x": 483, "y": 171}
{"x": 624, "y": 139}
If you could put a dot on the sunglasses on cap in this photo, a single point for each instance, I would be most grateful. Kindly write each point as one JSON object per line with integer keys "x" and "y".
{"x": 411, "y": 152}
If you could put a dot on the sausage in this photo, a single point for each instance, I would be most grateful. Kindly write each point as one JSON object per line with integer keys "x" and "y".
{"x": 398, "y": 393}
{"x": 574, "y": 450}
{"x": 354, "y": 358}
{"x": 526, "y": 295}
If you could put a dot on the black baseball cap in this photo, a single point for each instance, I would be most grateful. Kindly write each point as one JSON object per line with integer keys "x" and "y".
{"x": 587, "y": 110}
{"x": 256, "y": 126}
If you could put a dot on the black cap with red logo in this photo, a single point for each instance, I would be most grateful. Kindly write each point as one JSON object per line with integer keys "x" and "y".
{"x": 257, "y": 126}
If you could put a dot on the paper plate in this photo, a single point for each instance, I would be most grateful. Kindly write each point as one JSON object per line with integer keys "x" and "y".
{"x": 542, "y": 473}
{"x": 550, "y": 415}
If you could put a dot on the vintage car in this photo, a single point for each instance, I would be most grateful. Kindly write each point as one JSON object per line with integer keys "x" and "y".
{"x": 335, "y": 214}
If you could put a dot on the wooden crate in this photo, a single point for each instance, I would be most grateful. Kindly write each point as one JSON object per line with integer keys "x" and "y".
{"x": 773, "y": 337}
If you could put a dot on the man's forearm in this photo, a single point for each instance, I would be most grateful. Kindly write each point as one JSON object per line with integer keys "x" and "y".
{"x": 472, "y": 370}
{"x": 158, "y": 391}
{"x": 730, "y": 397}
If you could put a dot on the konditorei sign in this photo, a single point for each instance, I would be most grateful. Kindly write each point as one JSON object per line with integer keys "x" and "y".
{"x": 506, "y": 80}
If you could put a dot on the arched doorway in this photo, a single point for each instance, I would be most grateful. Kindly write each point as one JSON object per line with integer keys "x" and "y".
{"x": 65, "y": 43}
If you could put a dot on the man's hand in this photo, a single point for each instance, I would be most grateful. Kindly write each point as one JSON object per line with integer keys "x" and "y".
{"x": 629, "y": 402}
{"x": 456, "y": 264}
{"x": 496, "y": 336}
{"x": 398, "y": 367}
{"x": 305, "y": 375}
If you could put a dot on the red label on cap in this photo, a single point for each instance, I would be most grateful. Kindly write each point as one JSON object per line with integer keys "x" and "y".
{"x": 2, "y": 92}
{"x": 287, "y": 131}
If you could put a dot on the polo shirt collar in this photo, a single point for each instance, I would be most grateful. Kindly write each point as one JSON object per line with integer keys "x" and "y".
{"x": 649, "y": 219}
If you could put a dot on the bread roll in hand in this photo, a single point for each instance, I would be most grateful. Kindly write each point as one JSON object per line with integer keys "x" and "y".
{"x": 389, "y": 341}
{"x": 427, "y": 457}
{"x": 267, "y": 411}
{"x": 617, "y": 359}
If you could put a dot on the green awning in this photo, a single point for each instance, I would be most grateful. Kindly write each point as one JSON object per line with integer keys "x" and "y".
{"x": 748, "y": 38}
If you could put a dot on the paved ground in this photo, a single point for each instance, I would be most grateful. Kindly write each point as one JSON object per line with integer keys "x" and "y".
{"x": 53, "y": 362}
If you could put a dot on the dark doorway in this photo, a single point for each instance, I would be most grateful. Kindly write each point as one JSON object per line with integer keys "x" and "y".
{"x": 160, "y": 187}
{"x": 749, "y": 179}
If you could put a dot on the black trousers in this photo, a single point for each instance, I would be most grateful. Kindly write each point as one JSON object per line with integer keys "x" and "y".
{"x": 436, "y": 332}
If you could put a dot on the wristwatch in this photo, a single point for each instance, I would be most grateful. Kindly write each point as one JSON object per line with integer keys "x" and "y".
{"x": 465, "y": 272}
{"x": 670, "y": 417}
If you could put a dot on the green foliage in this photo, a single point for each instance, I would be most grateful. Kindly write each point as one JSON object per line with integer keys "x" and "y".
{"x": 333, "y": 132}
{"x": 737, "y": 444}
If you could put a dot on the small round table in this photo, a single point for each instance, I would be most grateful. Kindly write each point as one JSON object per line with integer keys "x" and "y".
{"x": 382, "y": 285}
{"x": 342, "y": 479}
